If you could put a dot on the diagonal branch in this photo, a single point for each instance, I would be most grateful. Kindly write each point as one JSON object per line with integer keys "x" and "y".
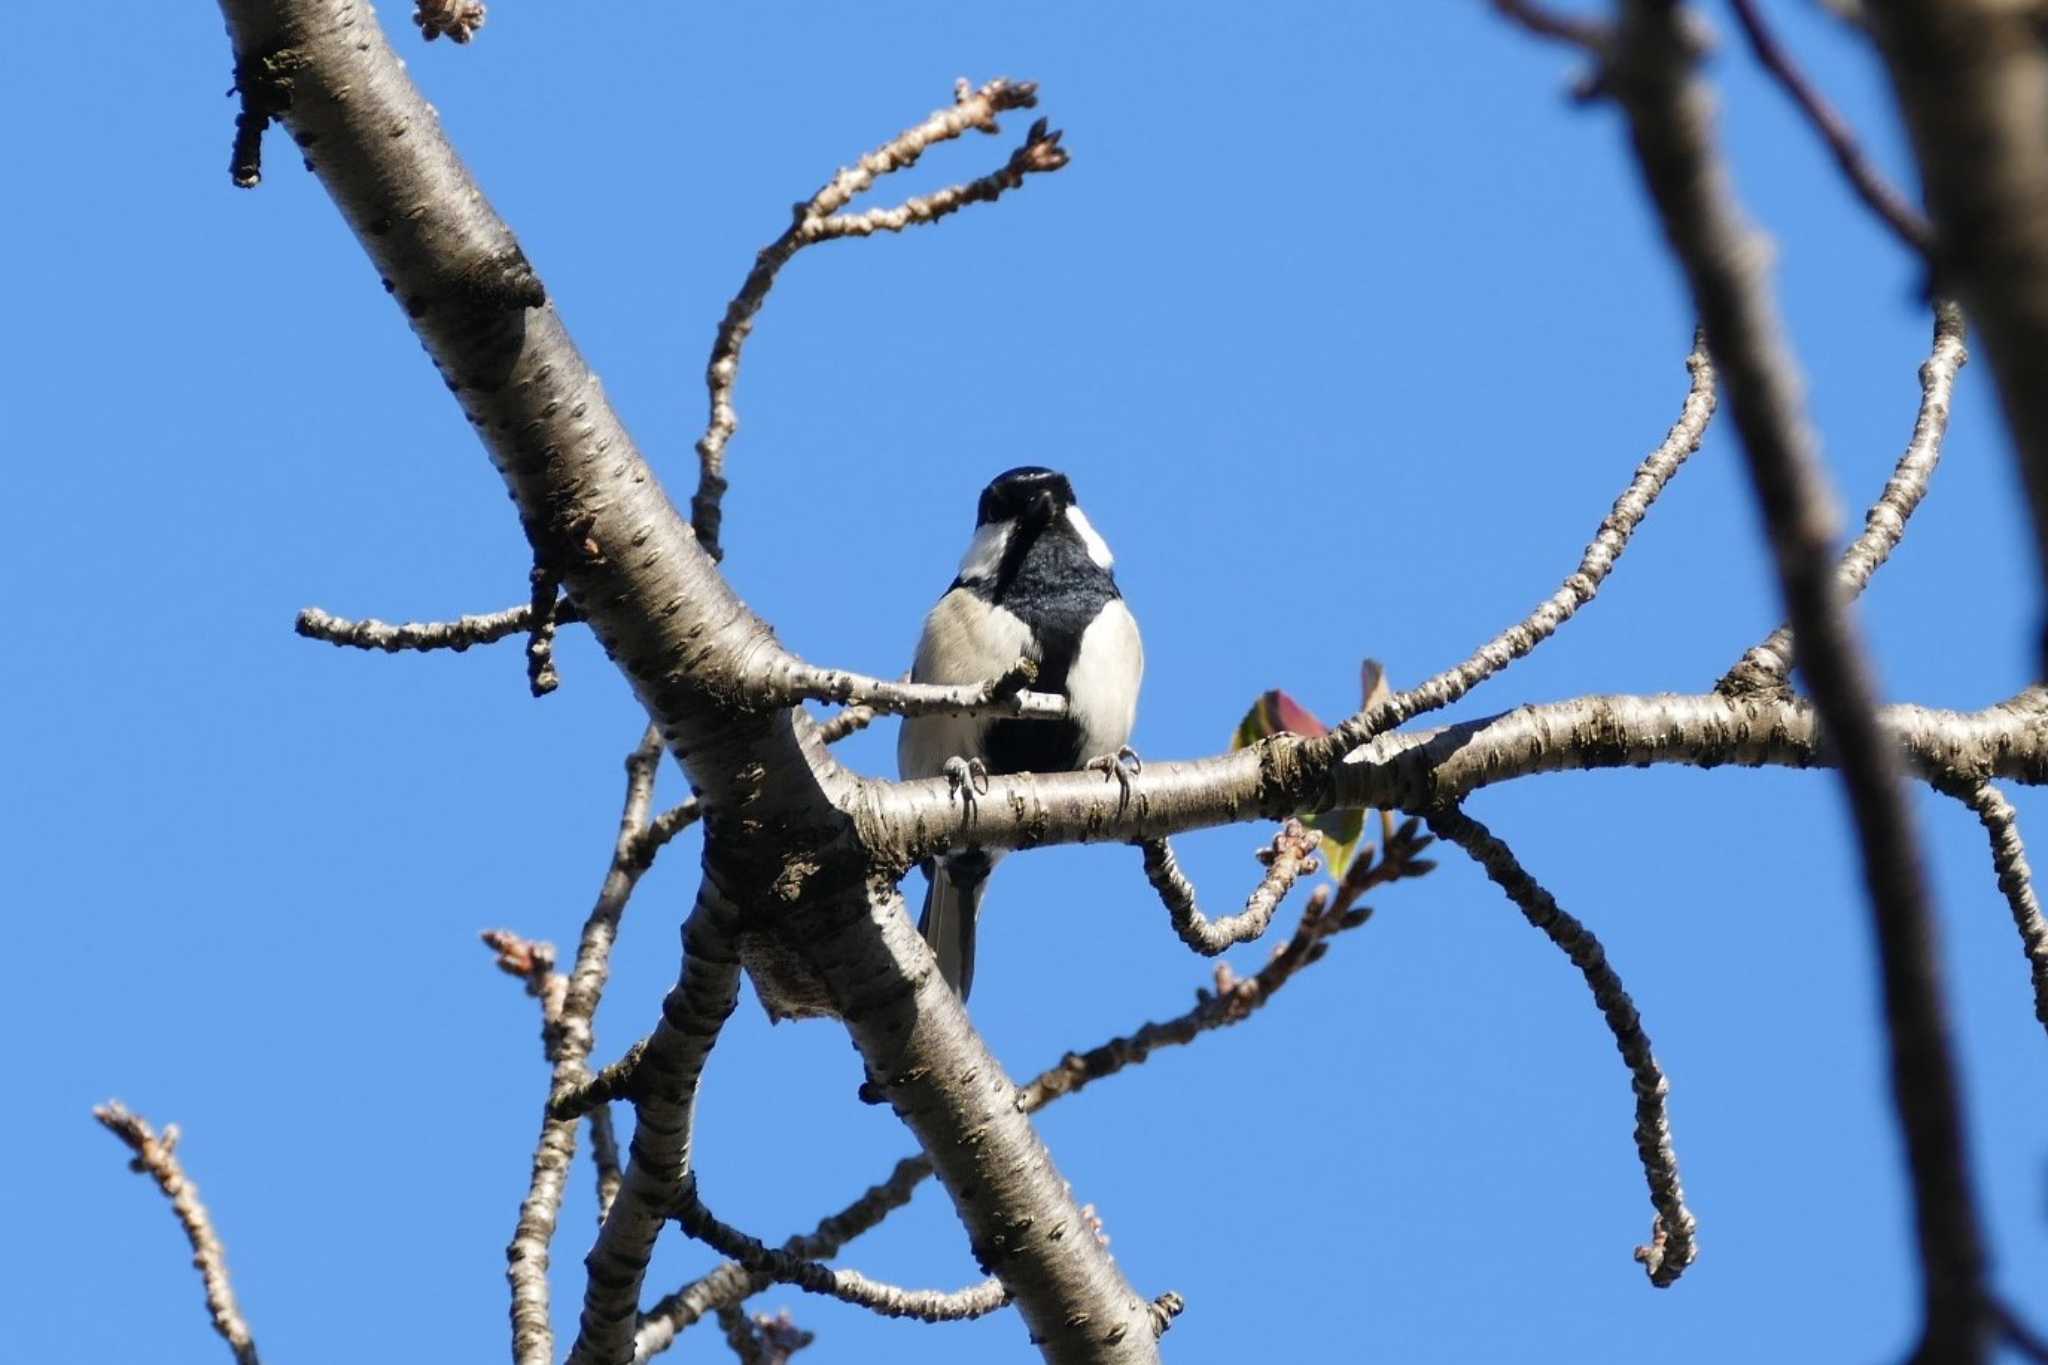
{"x": 1287, "y": 860}
{"x": 1672, "y": 1246}
{"x": 819, "y": 220}
{"x": 2015, "y": 878}
{"x": 1891, "y": 207}
{"x": 1656, "y": 470}
{"x": 1234, "y": 1000}
{"x": 1765, "y": 665}
{"x": 1670, "y": 118}
{"x": 156, "y": 1157}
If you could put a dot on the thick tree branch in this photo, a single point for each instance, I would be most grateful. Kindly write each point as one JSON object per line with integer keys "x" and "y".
{"x": 2015, "y": 878}
{"x": 691, "y": 650}
{"x": 1891, "y": 207}
{"x": 1972, "y": 81}
{"x": 1764, "y": 667}
{"x": 1656, "y": 470}
{"x": 1233, "y": 1000}
{"x": 1413, "y": 771}
{"x": 156, "y": 1157}
{"x": 1670, "y": 120}
{"x": 1672, "y": 1246}
{"x": 819, "y": 220}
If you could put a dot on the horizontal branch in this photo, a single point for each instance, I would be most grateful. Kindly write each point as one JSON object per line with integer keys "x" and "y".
{"x": 847, "y": 1286}
{"x": 790, "y": 680}
{"x": 1414, "y": 771}
{"x": 458, "y": 635}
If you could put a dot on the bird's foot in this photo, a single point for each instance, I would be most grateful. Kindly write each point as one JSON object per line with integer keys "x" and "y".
{"x": 1119, "y": 767}
{"x": 967, "y": 778}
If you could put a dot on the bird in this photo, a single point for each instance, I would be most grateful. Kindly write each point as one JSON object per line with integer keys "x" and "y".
{"x": 1037, "y": 582}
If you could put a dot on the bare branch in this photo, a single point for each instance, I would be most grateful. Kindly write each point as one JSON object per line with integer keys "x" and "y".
{"x": 1905, "y": 221}
{"x": 1287, "y": 859}
{"x": 1970, "y": 75}
{"x": 1233, "y": 1000}
{"x": 458, "y": 635}
{"x": 156, "y": 1157}
{"x": 568, "y": 1004}
{"x": 819, "y": 220}
{"x": 1670, "y": 117}
{"x": 850, "y": 721}
{"x": 459, "y": 19}
{"x": 762, "y": 1340}
{"x": 1764, "y": 667}
{"x": 1589, "y": 35}
{"x": 1656, "y": 470}
{"x": 541, "y": 677}
{"x": 1672, "y": 1246}
{"x": 732, "y": 1283}
{"x": 2015, "y": 878}
{"x": 792, "y": 680}
{"x": 848, "y": 1286}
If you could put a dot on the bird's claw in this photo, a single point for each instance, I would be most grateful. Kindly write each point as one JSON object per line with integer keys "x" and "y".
{"x": 966, "y": 777}
{"x": 1119, "y": 767}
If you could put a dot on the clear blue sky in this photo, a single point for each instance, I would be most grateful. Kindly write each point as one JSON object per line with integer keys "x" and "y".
{"x": 1348, "y": 328}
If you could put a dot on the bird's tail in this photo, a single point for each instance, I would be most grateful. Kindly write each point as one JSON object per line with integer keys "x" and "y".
{"x": 951, "y": 906}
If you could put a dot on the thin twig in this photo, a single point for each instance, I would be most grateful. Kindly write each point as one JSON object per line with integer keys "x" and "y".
{"x": 1233, "y": 1000}
{"x": 2015, "y": 878}
{"x": 790, "y": 679}
{"x": 156, "y": 1157}
{"x": 541, "y": 677}
{"x": 762, "y": 1340}
{"x": 1591, "y": 35}
{"x": 732, "y": 1283}
{"x": 847, "y": 1286}
{"x": 1286, "y": 860}
{"x": 1907, "y": 222}
{"x": 1657, "y": 469}
{"x": 568, "y": 1003}
{"x": 1671, "y": 123}
{"x": 458, "y": 635}
{"x": 1764, "y": 667}
{"x": 458, "y": 19}
{"x": 850, "y": 721}
{"x": 1672, "y": 1244}
{"x": 818, "y": 220}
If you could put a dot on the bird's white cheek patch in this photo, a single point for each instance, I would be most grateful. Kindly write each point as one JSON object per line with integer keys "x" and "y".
{"x": 1098, "y": 548}
{"x": 985, "y": 552}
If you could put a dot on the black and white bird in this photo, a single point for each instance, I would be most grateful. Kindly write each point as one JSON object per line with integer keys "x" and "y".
{"x": 1036, "y": 583}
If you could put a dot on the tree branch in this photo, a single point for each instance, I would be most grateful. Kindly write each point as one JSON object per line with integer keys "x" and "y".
{"x": 156, "y": 1157}
{"x": 458, "y": 635}
{"x": 2015, "y": 878}
{"x": 819, "y": 220}
{"x": 1287, "y": 859}
{"x": 1669, "y": 113}
{"x": 790, "y": 680}
{"x": 1656, "y": 470}
{"x": 1415, "y": 770}
{"x": 847, "y": 1286}
{"x": 1764, "y": 667}
{"x": 1891, "y": 207}
{"x": 1671, "y": 1247}
{"x": 1972, "y": 82}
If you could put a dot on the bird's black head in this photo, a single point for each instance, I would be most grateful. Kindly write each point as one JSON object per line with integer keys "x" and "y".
{"x": 1026, "y": 494}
